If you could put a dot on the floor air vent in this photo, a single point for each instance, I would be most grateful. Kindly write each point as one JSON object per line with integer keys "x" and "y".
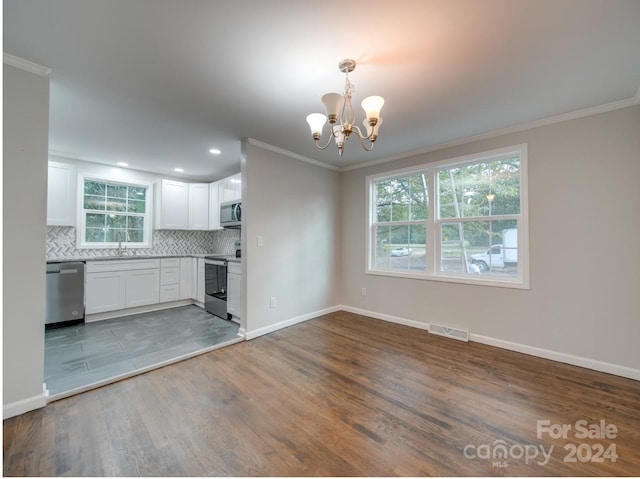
{"x": 459, "y": 334}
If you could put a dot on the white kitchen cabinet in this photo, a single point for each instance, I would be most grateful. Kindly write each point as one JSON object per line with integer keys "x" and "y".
{"x": 119, "y": 284}
{"x": 233, "y": 289}
{"x": 214, "y": 205}
{"x": 105, "y": 291}
{"x": 61, "y": 195}
{"x": 169, "y": 279}
{"x": 231, "y": 188}
{"x": 200, "y": 281}
{"x": 169, "y": 292}
{"x": 170, "y": 271}
{"x": 198, "y": 206}
{"x": 172, "y": 205}
{"x": 143, "y": 287}
{"x": 186, "y": 269}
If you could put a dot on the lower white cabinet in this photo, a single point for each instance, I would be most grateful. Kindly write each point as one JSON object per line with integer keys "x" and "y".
{"x": 143, "y": 287}
{"x": 169, "y": 292}
{"x": 169, "y": 279}
{"x": 119, "y": 284}
{"x": 129, "y": 283}
{"x": 105, "y": 291}
{"x": 186, "y": 287}
{"x": 200, "y": 281}
{"x": 233, "y": 289}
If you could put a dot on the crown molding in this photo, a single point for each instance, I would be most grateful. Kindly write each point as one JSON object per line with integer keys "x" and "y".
{"x": 64, "y": 156}
{"x": 594, "y": 110}
{"x": 25, "y": 65}
{"x": 281, "y": 151}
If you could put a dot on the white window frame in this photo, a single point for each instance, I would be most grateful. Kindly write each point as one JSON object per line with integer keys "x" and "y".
{"x": 434, "y": 224}
{"x": 81, "y": 242}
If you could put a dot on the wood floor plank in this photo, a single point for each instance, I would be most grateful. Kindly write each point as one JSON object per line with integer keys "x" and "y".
{"x": 341, "y": 395}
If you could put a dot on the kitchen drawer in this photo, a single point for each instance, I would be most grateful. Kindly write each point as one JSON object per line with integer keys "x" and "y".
{"x": 169, "y": 292}
{"x": 234, "y": 267}
{"x": 170, "y": 262}
{"x": 121, "y": 265}
{"x": 170, "y": 275}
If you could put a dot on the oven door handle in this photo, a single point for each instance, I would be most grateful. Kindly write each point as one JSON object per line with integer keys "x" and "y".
{"x": 215, "y": 262}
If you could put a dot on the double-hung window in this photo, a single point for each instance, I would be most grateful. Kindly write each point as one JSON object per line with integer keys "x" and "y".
{"x": 462, "y": 220}
{"x": 114, "y": 213}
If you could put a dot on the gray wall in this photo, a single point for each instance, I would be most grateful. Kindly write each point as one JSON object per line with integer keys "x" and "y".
{"x": 294, "y": 206}
{"x": 584, "y": 202}
{"x": 26, "y": 133}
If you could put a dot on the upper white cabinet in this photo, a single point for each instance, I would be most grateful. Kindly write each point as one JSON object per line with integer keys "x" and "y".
{"x": 172, "y": 205}
{"x": 198, "y": 206}
{"x": 231, "y": 188}
{"x": 214, "y": 205}
{"x": 182, "y": 206}
{"x": 221, "y": 191}
{"x": 61, "y": 193}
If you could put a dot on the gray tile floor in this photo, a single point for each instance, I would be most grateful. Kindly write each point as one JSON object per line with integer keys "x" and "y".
{"x": 93, "y": 353}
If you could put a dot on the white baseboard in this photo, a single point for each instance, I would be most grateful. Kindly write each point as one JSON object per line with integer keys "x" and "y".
{"x": 616, "y": 369}
{"x": 386, "y": 317}
{"x": 289, "y": 322}
{"x": 24, "y": 405}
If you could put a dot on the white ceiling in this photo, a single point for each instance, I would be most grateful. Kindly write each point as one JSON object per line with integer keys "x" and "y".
{"x": 156, "y": 83}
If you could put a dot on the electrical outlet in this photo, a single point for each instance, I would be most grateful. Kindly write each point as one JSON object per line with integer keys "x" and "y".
{"x": 364, "y": 291}
{"x": 274, "y": 302}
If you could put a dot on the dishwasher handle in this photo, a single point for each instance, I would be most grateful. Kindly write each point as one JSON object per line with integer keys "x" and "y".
{"x": 68, "y": 271}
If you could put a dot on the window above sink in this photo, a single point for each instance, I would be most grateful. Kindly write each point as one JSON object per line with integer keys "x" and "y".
{"x": 113, "y": 214}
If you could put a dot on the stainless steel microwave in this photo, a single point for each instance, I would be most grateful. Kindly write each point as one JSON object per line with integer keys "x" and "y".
{"x": 231, "y": 214}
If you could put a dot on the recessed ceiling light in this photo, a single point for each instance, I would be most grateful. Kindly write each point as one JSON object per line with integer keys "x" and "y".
{"x": 179, "y": 170}
{"x": 214, "y": 151}
{"x": 122, "y": 163}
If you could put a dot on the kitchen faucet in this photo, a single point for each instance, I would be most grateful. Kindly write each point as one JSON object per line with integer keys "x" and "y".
{"x": 119, "y": 236}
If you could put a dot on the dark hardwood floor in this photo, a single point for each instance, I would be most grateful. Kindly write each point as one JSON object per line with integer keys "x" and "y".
{"x": 341, "y": 395}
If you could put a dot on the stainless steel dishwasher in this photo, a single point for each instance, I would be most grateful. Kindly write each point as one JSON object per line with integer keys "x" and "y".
{"x": 65, "y": 294}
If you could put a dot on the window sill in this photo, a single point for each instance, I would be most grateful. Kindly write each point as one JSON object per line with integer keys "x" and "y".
{"x": 449, "y": 278}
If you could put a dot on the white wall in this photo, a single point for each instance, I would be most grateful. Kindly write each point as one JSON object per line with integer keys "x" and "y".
{"x": 584, "y": 205}
{"x": 294, "y": 206}
{"x": 26, "y": 133}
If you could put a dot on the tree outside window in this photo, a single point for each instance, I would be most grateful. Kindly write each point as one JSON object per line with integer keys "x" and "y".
{"x": 114, "y": 213}
{"x": 460, "y": 218}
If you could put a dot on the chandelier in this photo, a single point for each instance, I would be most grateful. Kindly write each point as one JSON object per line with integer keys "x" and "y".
{"x": 342, "y": 117}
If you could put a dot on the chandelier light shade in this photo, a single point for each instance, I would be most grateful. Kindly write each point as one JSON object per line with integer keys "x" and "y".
{"x": 316, "y": 123}
{"x": 372, "y": 106}
{"x": 342, "y": 117}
